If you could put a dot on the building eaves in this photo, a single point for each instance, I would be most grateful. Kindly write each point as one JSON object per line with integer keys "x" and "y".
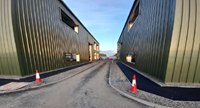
{"x": 61, "y": 1}
{"x": 134, "y": 4}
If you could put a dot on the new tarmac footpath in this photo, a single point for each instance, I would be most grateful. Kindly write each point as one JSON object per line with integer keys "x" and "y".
{"x": 173, "y": 93}
{"x": 31, "y": 78}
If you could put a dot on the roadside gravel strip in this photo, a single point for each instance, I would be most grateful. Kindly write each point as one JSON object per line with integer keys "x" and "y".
{"x": 53, "y": 79}
{"x": 119, "y": 82}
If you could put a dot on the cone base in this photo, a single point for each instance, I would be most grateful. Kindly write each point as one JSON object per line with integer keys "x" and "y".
{"x": 133, "y": 89}
{"x": 38, "y": 81}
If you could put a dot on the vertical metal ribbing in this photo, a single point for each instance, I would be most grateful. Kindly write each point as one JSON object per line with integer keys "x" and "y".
{"x": 162, "y": 36}
{"x": 50, "y": 24}
{"x": 30, "y": 36}
{"x": 34, "y": 38}
{"x": 47, "y": 33}
{"x": 1, "y": 38}
{"x": 148, "y": 37}
{"x": 153, "y": 34}
{"x": 5, "y": 53}
{"x": 196, "y": 50}
{"x": 40, "y": 36}
{"x": 5, "y": 47}
{"x": 26, "y": 40}
{"x": 36, "y": 34}
{"x": 8, "y": 40}
{"x": 177, "y": 44}
{"x": 16, "y": 66}
{"x": 54, "y": 34}
{"x": 155, "y": 42}
{"x": 190, "y": 76}
{"x": 154, "y": 39}
{"x": 159, "y": 38}
{"x": 197, "y": 69}
{"x": 8, "y": 54}
{"x": 181, "y": 42}
{"x": 182, "y": 74}
{"x": 58, "y": 44}
{"x": 150, "y": 40}
{"x": 166, "y": 22}
{"x": 188, "y": 44}
{"x": 43, "y": 40}
{"x": 24, "y": 63}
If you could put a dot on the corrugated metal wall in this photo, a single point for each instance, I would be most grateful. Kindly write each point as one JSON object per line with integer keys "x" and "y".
{"x": 150, "y": 36}
{"x": 41, "y": 37}
{"x": 184, "y": 57}
{"x": 9, "y": 63}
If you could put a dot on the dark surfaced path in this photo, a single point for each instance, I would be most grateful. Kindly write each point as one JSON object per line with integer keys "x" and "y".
{"x": 174, "y": 93}
{"x": 44, "y": 75}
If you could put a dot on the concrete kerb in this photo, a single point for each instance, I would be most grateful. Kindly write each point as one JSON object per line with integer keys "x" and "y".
{"x": 134, "y": 98}
{"x": 45, "y": 85}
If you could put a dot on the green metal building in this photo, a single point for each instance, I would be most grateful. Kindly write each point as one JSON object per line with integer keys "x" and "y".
{"x": 43, "y": 35}
{"x": 161, "y": 38}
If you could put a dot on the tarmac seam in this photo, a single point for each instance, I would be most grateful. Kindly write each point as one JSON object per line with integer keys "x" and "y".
{"x": 45, "y": 85}
{"x": 134, "y": 98}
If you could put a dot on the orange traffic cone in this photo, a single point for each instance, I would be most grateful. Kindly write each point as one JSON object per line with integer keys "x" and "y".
{"x": 38, "y": 80}
{"x": 134, "y": 86}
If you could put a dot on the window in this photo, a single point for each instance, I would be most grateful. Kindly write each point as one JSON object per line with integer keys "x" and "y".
{"x": 133, "y": 17}
{"x": 78, "y": 58}
{"x": 67, "y": 20}
{"x": 131, "y": 57}
{"x": 90, "y": 52}
{"x": 95, "y": 56}
{"x": 95, "y": 46}
{"x": 71, "y": 57}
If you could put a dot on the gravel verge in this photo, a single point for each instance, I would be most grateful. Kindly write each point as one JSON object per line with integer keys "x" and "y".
{"x": 53, "y": 79}
{"x": 119, "y": 81}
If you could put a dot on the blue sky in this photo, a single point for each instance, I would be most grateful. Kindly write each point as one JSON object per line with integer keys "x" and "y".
{"x": 104, "y": 19}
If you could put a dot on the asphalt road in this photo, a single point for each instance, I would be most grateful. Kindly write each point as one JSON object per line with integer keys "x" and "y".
{"x": 174, "y": 93}
{"x": 89, "y": 89}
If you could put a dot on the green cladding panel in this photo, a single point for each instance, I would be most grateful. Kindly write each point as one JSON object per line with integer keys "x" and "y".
{"x": 184, "y": 57}
{"x": 33, "y": 36}
{"x": 9, "y": 64}
{"x": 149, "y": 37}
{"x": 166, "y": 39}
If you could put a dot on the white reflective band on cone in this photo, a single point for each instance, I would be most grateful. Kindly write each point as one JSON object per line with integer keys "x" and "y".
{"x": 37, "y": 75}
{"x": 133, "y": 82}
